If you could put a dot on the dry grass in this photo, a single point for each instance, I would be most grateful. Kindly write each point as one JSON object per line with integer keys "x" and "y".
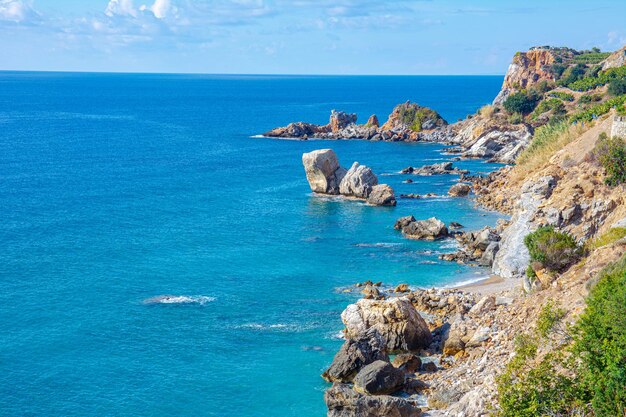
{"x": 607, "y": 238}
{"x": 546, "y": 141}
{"x": 486, "y": 111}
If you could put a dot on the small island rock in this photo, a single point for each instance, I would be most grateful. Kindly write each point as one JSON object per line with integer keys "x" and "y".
{"x": 382, "y": 195}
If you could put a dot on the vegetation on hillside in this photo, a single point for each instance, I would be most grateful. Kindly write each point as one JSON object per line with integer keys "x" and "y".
{"x": 611, "y": 154}
{"x": 414, "y": 116}
{"x": 584, "y": 371}
{"x": 551, "y": 249}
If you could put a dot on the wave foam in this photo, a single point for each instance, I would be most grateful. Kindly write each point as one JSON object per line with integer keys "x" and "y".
{"x": 179, "y": 299}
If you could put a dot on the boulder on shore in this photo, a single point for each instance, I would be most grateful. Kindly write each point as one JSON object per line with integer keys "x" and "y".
{"x": 343, "y": 401}
{"x": 396, "y": 319}
{"x": 430, "y": 229}
{"x": 382, "y": 195}
{"x": 354, "y": 354}
{"x": 358, "y": 181}
{"x": 323, "y": 171}
{"x": 459, "y": 190}
{"x": 378, "y": 378}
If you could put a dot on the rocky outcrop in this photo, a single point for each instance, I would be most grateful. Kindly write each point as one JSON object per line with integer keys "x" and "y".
{"x": 513, "y": 257}
{"x": 382, "y": 195}
{"x": 527, "y": 69}
{"x": 395, "y": 319}
{"x": 480, "y": 246}
{"x": 407, "y": 122}
{"x": 358, "y": 181}
{"x": 378, "y": 378}
{"x": 326, "y": 176}
{"x": 323, "y": 171}
{"x": 354, "y": 354}
{"x": 343, "y": 401}
{"x": 407, "y": 362}
{"x": 442, "y": 168}
{"x": 616, "y": 59}
{"x": 413, "y": 117}
{"x": 430, "y": 229}
{"x": 459, "y": 190}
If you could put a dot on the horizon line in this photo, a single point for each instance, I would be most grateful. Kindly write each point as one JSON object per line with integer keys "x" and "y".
{"x": 243, "y": 74}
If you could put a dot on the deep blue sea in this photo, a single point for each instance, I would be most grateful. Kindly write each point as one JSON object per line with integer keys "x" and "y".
{"x": 117, "y": 188}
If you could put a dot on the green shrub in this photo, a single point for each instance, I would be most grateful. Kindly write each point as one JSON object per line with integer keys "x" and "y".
{"x": 562, "y": 95}
{"x": 601, "y": 342}
{"x": 572, "y": 74}
{"x": 557, "y": 70}
{"x": 611, "y": 153}
{"x": 552, "y": 104}
{"x": 520, "y": 102}
{"x": 554, "y": 250}
{"x": 529, "y": 389}
{"x": 549, "y": 319}
{"x": 592, "y": 112}
{"x": 602, "y": 78}
{"x": 589, "y": 98}
{"x": 617, "y": 87}
{"x": 591, "y": 57}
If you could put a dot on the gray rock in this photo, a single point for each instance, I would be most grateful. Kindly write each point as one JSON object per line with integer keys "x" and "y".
{"x": 358, "y": 181}
{"x": 489, "y": 254}
{"x": 382, "y": 195}
{"x": 402, "y": 222}
{"x": 378, "y": 378}
{"x": 323, "y": 171}
{"x": 482, "y": 334}
{"x": 354, "y": 354}
{"x": 459, "y": 190}
{"x": 430, "y": 229}
{"x": 342, "y": 401}
{"x": 396, "y": 319}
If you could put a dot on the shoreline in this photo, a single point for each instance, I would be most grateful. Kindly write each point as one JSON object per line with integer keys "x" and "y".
{"x": 490, "y": 285}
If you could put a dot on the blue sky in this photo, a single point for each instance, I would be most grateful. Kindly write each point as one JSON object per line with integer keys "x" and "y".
{"x": 298, "y": 36}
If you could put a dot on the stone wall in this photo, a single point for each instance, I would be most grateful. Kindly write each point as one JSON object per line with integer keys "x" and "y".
{"x": 619, "y": 127}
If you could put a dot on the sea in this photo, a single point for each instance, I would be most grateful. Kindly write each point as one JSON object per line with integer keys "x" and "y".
{"x": 159, "y": 258}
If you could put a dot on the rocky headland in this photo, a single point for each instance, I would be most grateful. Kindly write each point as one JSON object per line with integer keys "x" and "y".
{"x": 452, "y": 352}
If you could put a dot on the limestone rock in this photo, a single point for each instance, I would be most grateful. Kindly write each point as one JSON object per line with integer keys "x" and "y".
{"x": 378, "y": 378}
{"x": 396, "y": 319}
{"x": 354, "y": 354}
{"x": 382, "y": 195}
{"x": 402, "y": 222}
{"x": 358, "y": 181}
{"x": 342, "y": 401}
{"x": 373, "y": 121}
{"x": 430, "y": 229}
{"x": 459, "y": 190}
{"x": 340, "y": 120}
{"x": 323, "y": 171}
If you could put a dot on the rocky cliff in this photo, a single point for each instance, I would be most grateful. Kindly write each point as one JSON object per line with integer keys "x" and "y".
{"x": 526, "y": 69}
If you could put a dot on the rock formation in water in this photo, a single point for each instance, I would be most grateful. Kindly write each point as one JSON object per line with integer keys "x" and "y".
{"x": 430, "y": 229}
{"x": 326, "y": 176}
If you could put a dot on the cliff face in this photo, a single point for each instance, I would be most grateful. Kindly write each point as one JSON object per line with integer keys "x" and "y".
{"x": 616, "y": 59}
{"x": 527, "y": 69}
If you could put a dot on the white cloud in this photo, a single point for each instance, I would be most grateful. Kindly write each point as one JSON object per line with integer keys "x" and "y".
{"x": 160, "y": 8}
{"x": 120, "y": 8}
{"x": 17, "y": 11}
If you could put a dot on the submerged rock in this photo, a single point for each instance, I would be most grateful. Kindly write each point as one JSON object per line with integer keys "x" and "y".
{"x": 378, "y": 378}
{"x": 323, "y": 171}
{"x": 396, "y": 319}
{"x": 435, "y": 169}
{"x": 382, "y": 195}
{"x": 358, "y": 181}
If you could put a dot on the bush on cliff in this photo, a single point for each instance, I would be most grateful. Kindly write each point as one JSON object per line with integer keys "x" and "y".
{"x": 583, "y": 372}
{"x": 617, "y": 87}
{"x": 611, "y": 154}
{"x": 554, "y": 250}
{"x": 416, "y": 117}
{"x": 520, "y": 102}
{"x": 601, "y": 342}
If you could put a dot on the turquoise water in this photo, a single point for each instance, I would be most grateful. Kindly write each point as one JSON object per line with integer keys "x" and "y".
{"x": 115, "y": 189}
